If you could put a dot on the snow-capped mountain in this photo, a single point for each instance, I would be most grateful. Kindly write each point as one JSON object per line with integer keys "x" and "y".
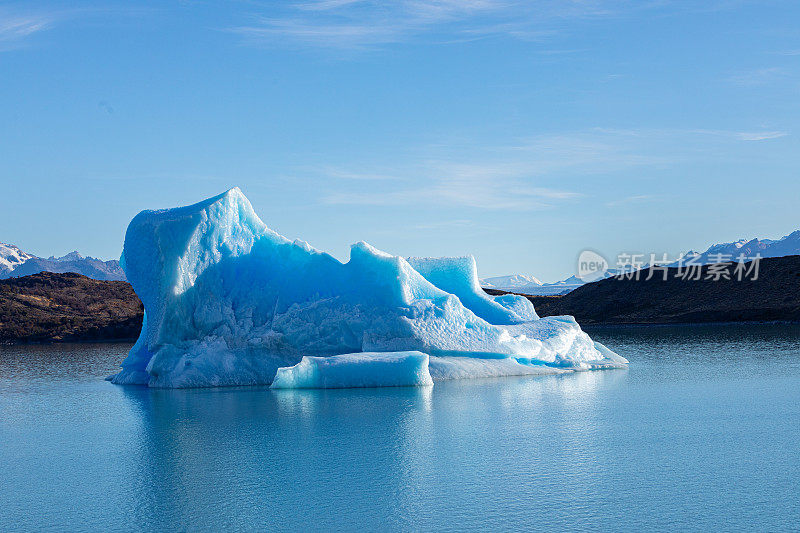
{"x": 530, "y": 285}
{"x": 730, "y": 251}
{"x": 15, "y": 263}
{"x": 542, "y": 289}
{"x": 72, "y": 256}
{"x": 561, "y": 287}
{"x": 10, "y": 258}
{"x": 505, "y": 282}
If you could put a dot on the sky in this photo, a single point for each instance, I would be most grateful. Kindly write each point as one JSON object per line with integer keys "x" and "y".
{"x": 518, "y": 132}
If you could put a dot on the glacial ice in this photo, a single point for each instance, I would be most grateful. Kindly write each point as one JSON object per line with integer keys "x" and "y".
{"x": 230, "y": 302}
{"x": 365, "y": 369}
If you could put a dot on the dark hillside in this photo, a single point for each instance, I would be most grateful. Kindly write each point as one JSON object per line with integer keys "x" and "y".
{"x": 774, "y": 296}
{"x": 67, "y": 307}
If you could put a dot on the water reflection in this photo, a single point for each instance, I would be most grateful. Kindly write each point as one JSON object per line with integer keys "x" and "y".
{"x": 406, "y": 442}
{"x": 261, "y": 441}
{"x": 40, "y": 365}
{"x": 310, "y": 402}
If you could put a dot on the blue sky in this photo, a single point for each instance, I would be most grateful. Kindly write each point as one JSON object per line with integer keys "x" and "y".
{"x": 519, "y": 132}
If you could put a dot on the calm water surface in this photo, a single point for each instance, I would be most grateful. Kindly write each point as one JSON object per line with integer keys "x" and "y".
{"x": 701, "y": 432}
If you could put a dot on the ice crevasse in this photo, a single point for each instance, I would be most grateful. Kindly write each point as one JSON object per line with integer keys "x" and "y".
{"x": 230, "y": 302}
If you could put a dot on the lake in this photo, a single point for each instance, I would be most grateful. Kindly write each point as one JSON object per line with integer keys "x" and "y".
{"x": 701, "y": 432}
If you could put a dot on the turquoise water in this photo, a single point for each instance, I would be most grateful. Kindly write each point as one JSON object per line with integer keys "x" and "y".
{"x": 701, "y": 432}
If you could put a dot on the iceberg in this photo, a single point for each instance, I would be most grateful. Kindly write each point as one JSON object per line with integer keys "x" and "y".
{"x": 228, "y": 302}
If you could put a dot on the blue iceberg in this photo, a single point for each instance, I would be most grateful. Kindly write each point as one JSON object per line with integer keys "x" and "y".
{"x": 230, "y": 302}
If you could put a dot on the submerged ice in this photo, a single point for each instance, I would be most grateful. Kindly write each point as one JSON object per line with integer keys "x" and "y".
{"x": 230, "y": 302}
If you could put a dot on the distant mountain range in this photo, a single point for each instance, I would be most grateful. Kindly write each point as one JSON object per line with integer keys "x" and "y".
{"x": 515, "y": 280}
{"x": 727, "y": 251}
{"x": 531, "y": 285}
{"x": 15, "y": 263}
{"x": 730, "y": 251}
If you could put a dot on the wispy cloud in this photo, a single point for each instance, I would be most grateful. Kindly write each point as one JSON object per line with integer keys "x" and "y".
{"x": 357, "y": 176}
{"x": 15, "y": 28}
{"x": 358, "y": 24}
{"x": 456, "y": 192}
{"x": 517, "y": 176}
{"x": 444, "y": 224}
{"x": 535, "y": 173}
{"x": 365, "y": 24}
{"x": 759, "y": 76}
{"x": 761, "y": 135}
{"x": 20, "y": 23}
{"x": 322, "y": 5}
{"x": 631, "y": 200}
{"x": 476, "y": 185}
